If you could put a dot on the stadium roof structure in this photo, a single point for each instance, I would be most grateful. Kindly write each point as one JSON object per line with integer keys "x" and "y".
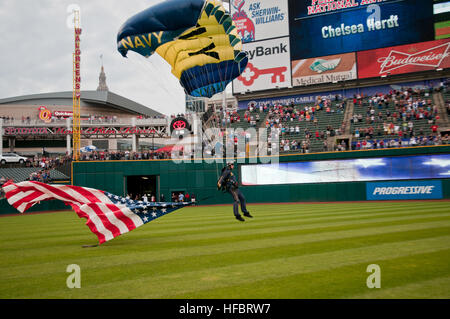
{"x": 101, "y": 98}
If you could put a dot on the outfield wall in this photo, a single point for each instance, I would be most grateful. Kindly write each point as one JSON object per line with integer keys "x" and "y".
{"x": 200, "y": 179}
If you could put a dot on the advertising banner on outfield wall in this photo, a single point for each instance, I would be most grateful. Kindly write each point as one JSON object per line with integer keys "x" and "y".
{"x": 269, "y": 66}
{"x": 333, "y": 68}
{"x": 423, "y": 56}
{"x": 260, "y": 19}
{"x": 348, "y": 93}
{"x": 404, "y": 190}
{"x": 325, "y": 27}
{"x": 398, "y": 168}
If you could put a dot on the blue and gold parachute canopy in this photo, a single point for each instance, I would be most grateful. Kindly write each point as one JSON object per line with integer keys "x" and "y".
{"x": 197, "y": 38}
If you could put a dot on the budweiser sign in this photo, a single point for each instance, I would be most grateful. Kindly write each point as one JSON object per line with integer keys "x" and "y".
{"x": 417, "y": 57}
{"x": 432, "y": 57}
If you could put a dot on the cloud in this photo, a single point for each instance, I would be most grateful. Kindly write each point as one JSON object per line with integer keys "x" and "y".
{"x": 37, "y": 51}
{"x": 366, "y": 163}
{"x": 438, "y": 162}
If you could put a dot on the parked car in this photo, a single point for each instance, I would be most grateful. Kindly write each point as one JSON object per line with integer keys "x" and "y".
{"x": 12, "y": 158}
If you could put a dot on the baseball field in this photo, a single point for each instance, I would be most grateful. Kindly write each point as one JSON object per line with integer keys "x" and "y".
{"x": 287, "y": 251}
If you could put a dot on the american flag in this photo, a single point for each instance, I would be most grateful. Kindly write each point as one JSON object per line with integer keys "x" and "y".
{"x": 108, "y": 215}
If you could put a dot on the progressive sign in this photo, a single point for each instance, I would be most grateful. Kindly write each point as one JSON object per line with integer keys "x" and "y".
{"x": 404, "y": 190}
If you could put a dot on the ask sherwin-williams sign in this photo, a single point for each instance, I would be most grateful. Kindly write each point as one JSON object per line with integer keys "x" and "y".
{"x": 404, "y": 190}
{"x": 260, "y": 19}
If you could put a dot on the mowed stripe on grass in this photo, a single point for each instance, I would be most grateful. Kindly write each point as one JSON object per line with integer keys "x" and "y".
{"x": 286, "y": 251}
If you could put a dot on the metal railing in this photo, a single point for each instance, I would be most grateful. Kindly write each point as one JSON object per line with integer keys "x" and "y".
{"x": 85, "y": 122}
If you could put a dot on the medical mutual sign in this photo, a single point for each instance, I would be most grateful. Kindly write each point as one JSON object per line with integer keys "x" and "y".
{"x": 329, "y": 69}
{"x": 404, "y": 190}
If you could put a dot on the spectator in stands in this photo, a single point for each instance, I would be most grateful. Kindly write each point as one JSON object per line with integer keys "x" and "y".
{"x": 434, "y": 129}
{"x": 45, "y": 177}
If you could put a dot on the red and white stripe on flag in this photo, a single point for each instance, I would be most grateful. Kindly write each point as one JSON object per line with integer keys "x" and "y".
{"x": 104, "y": 218}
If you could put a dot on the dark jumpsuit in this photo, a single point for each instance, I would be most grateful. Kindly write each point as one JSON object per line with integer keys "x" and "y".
{"x": 231, "y": 186}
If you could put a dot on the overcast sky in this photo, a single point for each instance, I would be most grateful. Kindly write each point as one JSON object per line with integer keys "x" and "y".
{"x": 37, "y": 45}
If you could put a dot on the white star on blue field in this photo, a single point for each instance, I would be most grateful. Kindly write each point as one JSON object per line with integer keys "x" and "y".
{"x": 147, "y": 211}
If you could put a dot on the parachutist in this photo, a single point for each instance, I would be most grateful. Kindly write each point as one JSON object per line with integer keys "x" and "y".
{"x": 228, "y": 183}
{"x": 196, "y": 37}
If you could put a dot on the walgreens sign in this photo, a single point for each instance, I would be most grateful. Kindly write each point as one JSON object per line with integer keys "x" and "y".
{"x": 423, "y": 56}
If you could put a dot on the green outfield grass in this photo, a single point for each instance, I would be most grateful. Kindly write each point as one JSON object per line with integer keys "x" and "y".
{"x": 287, "y": 251}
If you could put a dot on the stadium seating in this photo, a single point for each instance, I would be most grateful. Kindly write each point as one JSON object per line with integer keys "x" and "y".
{"x": 324, "y": 123}
{"x": 421, "y": 127}
{"x": 20, "y": 174}
{"x": 335, "y": 121}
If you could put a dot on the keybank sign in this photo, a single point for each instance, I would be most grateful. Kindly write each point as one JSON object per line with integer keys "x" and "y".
{"x": 404, "y": 190}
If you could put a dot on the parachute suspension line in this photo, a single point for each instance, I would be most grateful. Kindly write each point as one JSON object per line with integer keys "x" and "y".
{"x": 190, "y": 75}
{"x": 225, "y": 80}
{"x": 152, "y": 67}
{"x": 210, "y": 87}
{"x": 154, "y": 70}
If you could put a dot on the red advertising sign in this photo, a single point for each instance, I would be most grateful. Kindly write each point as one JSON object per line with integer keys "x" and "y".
{"x": 30, "y": 131}
{"x": 45, "y": 114}
{"x": 423, "y": 56}
{"x": 63, "y": 113}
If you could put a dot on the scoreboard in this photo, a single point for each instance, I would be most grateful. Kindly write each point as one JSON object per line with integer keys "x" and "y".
{"x": 324, "y": 27}
{"x": 307, "y": 42}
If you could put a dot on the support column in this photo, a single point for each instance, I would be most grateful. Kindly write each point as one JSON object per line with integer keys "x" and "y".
{"x": 112, "y": 145}
{"x": 134, "y": 138}
{"x": 68, "y": 139}
{"x": 12, "y": 144}
{"x": 1, "y": 136}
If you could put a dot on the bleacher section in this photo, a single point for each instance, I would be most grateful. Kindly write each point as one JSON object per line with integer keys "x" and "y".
{"x": 446, "y": 101}
{"x": 325, "y": 129}
{"x": 325, "y": 123}
{"x": 243, "y": 123}
{"x": 20, "y": 174}
{"x": 421, "y": 127}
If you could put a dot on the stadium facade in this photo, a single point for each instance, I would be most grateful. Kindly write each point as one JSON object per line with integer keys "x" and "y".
{"x": 109, "y": 121}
